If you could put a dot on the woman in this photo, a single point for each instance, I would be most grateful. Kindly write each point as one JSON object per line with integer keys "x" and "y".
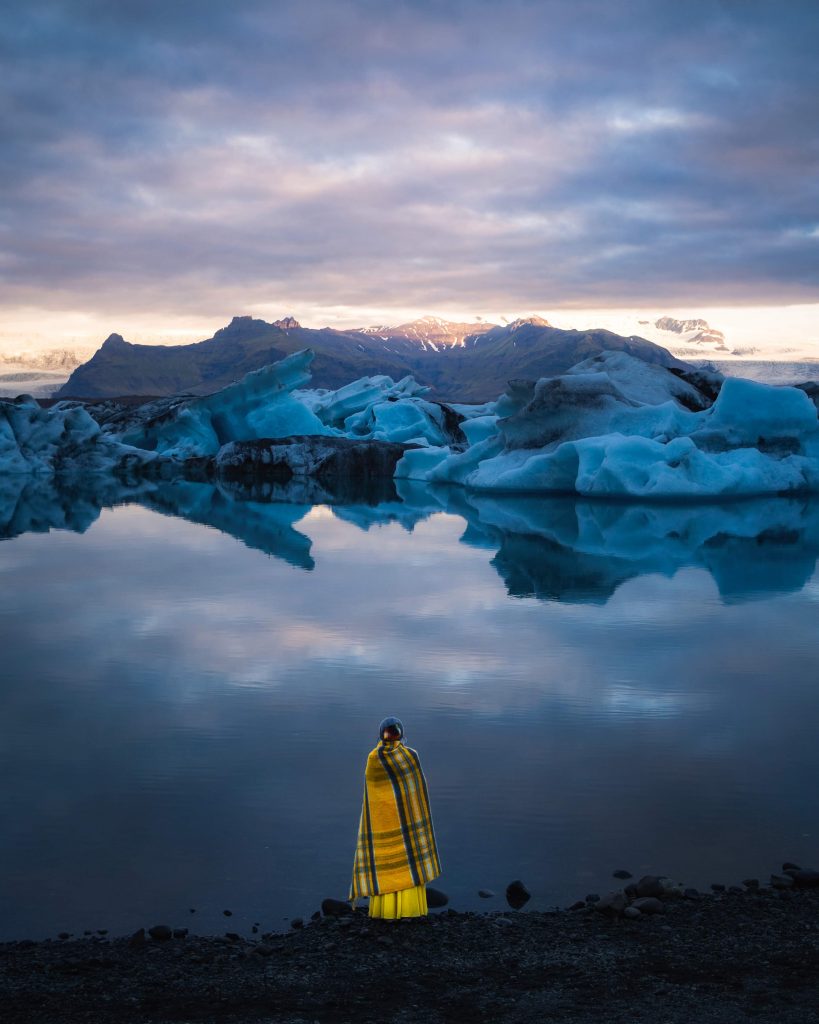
{"x": 396, "y": 853}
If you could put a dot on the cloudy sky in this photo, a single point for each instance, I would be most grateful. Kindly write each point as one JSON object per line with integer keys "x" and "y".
{"x": 165, "y": 166}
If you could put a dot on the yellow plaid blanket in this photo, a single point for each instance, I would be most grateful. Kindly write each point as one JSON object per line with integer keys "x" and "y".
{"x": 396, "y": 842}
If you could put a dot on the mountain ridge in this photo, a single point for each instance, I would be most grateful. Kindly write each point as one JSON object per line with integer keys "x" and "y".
{"x": 460, "y": 362}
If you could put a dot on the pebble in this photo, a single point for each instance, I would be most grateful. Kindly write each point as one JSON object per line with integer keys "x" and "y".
{"x": 632, "y": 913}
{"x": 64, "y": 935}
{"x": 504, "y": 922}
{"x": 297, "y": 922}
{"x": 180, "y": 933}
{"x": 228, "y": 913}
{"x": 485, "y": 894}
{"x": 160, "y": 932}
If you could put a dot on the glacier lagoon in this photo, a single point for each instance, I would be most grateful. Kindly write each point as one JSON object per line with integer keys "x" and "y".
{"x": 191, "y": 681}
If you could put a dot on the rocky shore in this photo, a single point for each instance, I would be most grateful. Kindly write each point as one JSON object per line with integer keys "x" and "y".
{"x": 745, "y": 952}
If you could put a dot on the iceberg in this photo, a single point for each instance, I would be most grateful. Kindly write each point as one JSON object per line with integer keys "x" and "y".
{"x": 63, "y": 440}
{"x": 259, "y": 405}
{"x": 614, "y": 427}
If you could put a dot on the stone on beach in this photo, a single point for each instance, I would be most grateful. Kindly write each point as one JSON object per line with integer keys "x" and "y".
{"x": 517, "y": 895}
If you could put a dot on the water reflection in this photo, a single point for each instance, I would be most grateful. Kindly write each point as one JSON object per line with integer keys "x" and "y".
{"x": 555, "y": 549}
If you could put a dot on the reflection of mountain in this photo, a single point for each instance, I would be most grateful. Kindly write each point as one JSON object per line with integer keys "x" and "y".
{"x": 551, "y": 549}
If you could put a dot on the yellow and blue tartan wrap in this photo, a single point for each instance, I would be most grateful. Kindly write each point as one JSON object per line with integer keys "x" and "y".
{"x": 396, "y": 842}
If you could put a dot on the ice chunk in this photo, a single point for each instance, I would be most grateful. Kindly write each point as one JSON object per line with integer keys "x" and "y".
{"x": 259, "y": 405}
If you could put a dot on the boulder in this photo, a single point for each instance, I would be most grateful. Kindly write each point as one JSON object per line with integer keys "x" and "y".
{"x": 632, "y": 913}
{"x": 806, "y": 879}
{"x": 161, "y": 932}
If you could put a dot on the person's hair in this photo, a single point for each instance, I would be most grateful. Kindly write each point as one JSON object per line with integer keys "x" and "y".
{"x": 392, "y": 728}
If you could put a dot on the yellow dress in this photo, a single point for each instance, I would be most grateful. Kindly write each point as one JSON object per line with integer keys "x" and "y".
{"x": 404, "y": 903}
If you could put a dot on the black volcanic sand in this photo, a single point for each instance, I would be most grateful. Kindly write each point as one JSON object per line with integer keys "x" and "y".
{"x": 723, "y": 958}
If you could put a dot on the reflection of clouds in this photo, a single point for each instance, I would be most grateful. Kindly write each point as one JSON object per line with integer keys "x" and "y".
{"x": 173, "y": 700}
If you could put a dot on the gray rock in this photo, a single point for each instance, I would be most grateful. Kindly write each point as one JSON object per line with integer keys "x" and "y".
{"x": 692, "y": 894}
{"x": 335, "y": 908}
{"x": 648, "y": 905}
{"x": 751, "y": 883}
{"x": 781, "y": 881}
{"x": 297, "y": 922}
{"x": 614, "y": 903}
{"x": 486, "y": 894}
{"x": 621, "y": 873}
{"x": 806, "y": 879}
{"x": 436, "y": 898}
{"x": 67, "y": 935}
{"x": 161, "y": 932}
{"x": 517, "y": 895}
{"x": 632, "y": 913}
{"x": 137, "y": 939}
{"x": 789, "y": 866}
{"x": 504, "y": 922}
{"x": 649, "y": 885}
{"x": 579, "y": 905}
{"x": 262, "y": 950}
{"x": 233, "y": 936}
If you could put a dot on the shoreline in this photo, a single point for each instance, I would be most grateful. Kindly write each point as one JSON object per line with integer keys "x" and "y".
{"x": 745, "y": 953}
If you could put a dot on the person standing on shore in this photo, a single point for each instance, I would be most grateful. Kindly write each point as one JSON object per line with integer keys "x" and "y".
{"x": 396, "y": 854}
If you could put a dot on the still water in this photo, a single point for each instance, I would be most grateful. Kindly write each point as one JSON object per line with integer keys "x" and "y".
{"x": 191, "y": 681}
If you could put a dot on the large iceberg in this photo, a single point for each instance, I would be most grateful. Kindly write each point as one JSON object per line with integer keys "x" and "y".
{"x": 615, "y": 427}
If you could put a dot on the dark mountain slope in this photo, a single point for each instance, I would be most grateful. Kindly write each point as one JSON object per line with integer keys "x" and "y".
{"x": 471, "y": 368}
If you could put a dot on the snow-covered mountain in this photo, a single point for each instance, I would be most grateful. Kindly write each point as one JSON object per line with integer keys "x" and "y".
{"x": 38, "y": 373}
{"x": 430, "y": 333}
{"x": 687, "y": 339}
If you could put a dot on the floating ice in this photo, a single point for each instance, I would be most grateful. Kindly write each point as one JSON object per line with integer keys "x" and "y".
{"x": 599, "y": 433}
{"x": 259, "y": 405}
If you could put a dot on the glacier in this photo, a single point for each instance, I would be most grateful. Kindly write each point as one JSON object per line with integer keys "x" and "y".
{"x": 613, "y": 426}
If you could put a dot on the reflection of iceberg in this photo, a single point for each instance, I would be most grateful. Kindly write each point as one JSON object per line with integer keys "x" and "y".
{"x": 37, "y": 504}
{"x": 570, "y": 549}
{"x": 266, "y": 527}
{"x": 560, "y": 549}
